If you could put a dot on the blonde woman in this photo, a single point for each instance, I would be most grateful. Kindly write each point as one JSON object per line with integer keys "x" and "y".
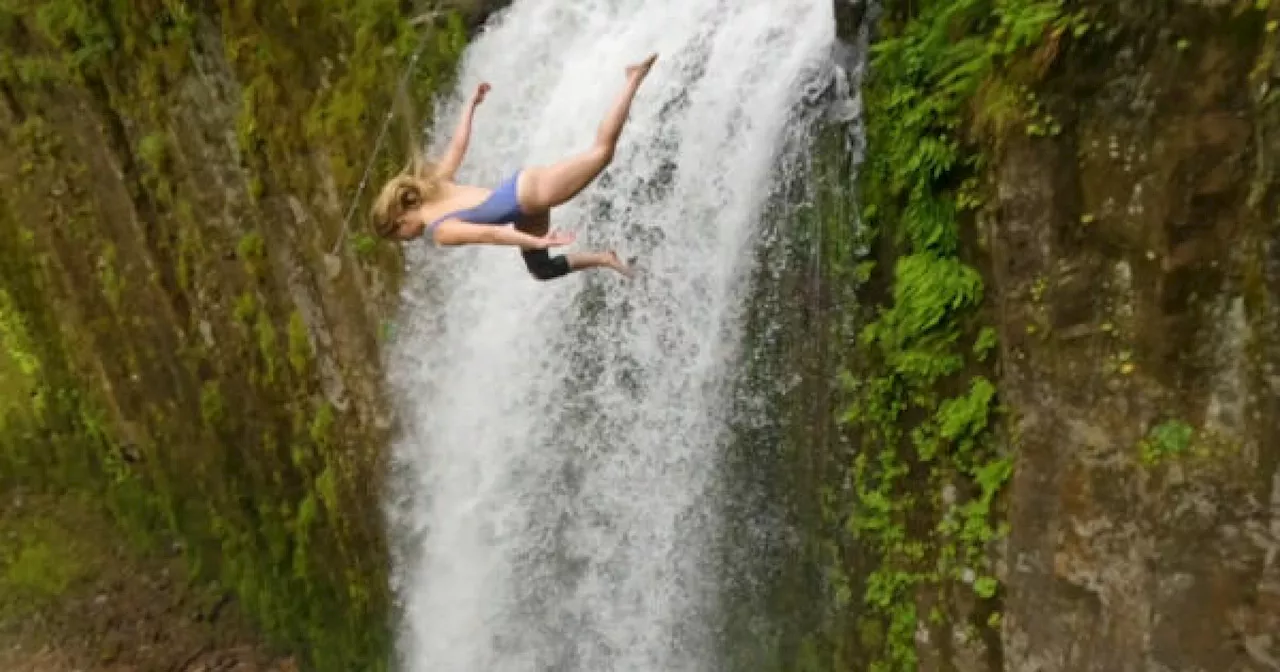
{"x": 424, "y": 200}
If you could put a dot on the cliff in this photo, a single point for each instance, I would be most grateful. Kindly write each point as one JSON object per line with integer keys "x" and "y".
{"x": 1058, "y": 449}
{"x": 189, "y": 341}
{"x": 1138, "y": 276}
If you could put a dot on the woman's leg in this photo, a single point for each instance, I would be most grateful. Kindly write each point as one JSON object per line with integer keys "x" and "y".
{"x": 583, "y": 260}
{"x": 541, "y": 188}
{"x": 543, "y": 266}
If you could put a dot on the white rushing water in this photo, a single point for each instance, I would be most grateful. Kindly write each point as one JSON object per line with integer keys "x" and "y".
{"x": 559, "y": 440}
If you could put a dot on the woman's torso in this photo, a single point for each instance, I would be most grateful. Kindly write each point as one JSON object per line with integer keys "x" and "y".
{"x": 454, "y": 198}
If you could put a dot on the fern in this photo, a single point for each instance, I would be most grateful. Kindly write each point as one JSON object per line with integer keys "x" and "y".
{"x": 945, "y": 71}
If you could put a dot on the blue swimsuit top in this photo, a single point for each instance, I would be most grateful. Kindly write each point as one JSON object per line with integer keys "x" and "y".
{"x": 501, "y": 207}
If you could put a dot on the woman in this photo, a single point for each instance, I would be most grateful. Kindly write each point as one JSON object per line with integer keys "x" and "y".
{"x": 425, "y": 200}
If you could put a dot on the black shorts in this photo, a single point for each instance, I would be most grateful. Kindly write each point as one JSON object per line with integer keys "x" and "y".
{"x": 543, "y": 266}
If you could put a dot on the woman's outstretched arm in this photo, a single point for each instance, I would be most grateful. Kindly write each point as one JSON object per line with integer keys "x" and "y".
{"x": 461, "y": 136}
{"x": 457, "y": 232}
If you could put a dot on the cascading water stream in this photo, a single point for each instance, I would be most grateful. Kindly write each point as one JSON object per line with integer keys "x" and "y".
{"x": 558, "y": 457}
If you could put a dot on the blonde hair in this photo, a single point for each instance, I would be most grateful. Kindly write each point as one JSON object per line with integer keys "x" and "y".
{"x": 415, "y": 186}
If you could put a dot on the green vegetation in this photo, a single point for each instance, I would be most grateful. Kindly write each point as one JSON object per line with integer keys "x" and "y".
{"x": 947, "y": 80}
{"x": 39, "y": 561}
{"x": 365, "y": 245}
{"x": 142, "y": 367}
{"x": 252, "y": 250}
{"x": 1166, "y": 440}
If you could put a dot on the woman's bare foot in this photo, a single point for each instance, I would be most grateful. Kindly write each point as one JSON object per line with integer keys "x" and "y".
{"x": 638, "y": 71}
{"x": 618, "y": 265}
{"x": 583, "y": 260}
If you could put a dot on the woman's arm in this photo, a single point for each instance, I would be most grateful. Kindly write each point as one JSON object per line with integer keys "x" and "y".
{"x": 457, "y": 232}
{"x": 461, "y": 136}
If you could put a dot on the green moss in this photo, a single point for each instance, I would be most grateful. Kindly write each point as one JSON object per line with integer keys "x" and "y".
{"x": 110, "y": 278}
{"x": 188, "y": 253}
{"x": 299, "y": 344}
{"x": 1167, "y": 440}
{"x": 246, "y": 308}
{"x": 327, "y": 487}
{"x": 213, "y": 407}
{"x": 39, "y": 561}
{"x": 365, "y": 246}
{"x": 252, "y": 250}
{"x": 256, "y": 188}
{"x": 80, "y": 29}
{"x": 15, "y": 339}
{"x": 322, "y": 426}
{"x": 268, "y": 346}
{"x": 153, "y": 151}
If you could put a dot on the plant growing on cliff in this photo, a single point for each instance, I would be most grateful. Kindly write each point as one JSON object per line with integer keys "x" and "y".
{"x": 1168, "y": 439}
{"x": 942, "y": 75}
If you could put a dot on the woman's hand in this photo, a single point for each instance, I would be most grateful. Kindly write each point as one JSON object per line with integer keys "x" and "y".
{"x": 458, "y": 232}
{"x": 556, "y": 239}
{"x": 479, "y": 95}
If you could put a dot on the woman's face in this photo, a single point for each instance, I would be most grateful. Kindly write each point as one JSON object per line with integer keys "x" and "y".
{"x": 410, "y": 225}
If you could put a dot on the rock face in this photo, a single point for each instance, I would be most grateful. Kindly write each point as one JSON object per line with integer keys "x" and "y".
{"x": 1109, "y": 172}
{"x": 179, "y": 299}
{"x": 1136, "y": 262}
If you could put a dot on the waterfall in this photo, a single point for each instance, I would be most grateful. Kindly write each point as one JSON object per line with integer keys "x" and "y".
{"x": 557, "y": 462}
